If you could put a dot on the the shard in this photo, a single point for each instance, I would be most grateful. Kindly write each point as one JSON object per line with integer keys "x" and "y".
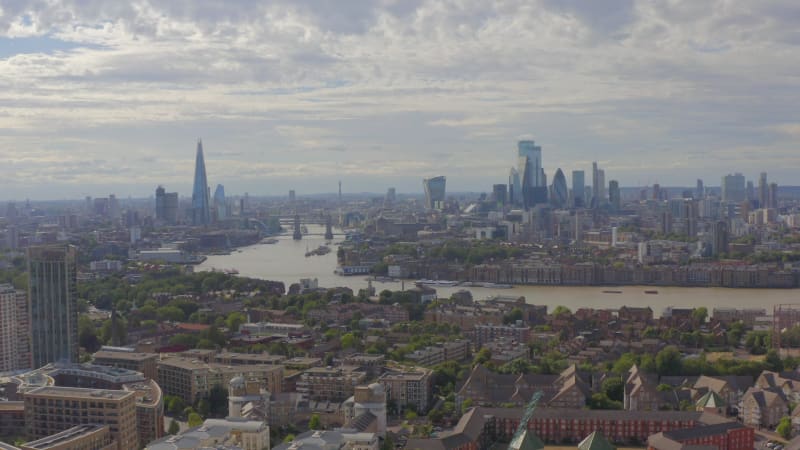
{"x": 201, "y": 208}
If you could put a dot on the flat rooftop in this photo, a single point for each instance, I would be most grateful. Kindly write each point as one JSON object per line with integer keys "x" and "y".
{"x": 125, "y": 356}
{"x": 59, "y": 439}
{"x": 70, "y": 392}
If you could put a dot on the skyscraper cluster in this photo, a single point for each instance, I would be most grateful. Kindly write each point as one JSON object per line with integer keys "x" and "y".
{"x": 527, "y": 184}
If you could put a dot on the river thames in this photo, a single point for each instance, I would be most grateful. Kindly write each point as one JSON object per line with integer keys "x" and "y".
{"x": 286, "y": 261}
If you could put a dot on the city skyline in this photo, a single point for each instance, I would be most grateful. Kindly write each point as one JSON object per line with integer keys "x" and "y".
{"x": 384, "y": 94}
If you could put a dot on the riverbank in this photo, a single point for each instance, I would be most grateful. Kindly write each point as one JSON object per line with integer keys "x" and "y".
{"x": 285, "y": 261}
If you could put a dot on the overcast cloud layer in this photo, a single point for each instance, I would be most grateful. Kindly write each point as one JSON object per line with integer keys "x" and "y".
{"x": 99, "y": 97}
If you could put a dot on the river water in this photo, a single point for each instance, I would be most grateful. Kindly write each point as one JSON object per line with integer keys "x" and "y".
{"x": 286, "y": 261}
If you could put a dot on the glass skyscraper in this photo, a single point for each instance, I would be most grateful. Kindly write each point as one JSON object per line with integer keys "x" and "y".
{"x": 434, "y": 192}
{"x": 52, "y": 274}
{"x": 201, "y": 208}
{"x": 578, "y": 188}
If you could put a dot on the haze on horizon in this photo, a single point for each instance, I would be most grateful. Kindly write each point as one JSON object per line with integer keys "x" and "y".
{"x": 110, "y": 97}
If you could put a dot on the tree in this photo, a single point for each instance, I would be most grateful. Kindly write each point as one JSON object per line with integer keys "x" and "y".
{"x": 785, "y": 427}
{"x": 235, "y": 319}
{"x": 614, "y": 388}
{"x": 668, "y": 361}
{"x": 513, "y": 316}
{"x": 218, "y": 401}
{"x": 348, "y": 340}
{"x": 315, "y": 423}
{"x": 773, "y": 361}
{"x": 482, "y": 357}
{"x": 87, "y": 334}
{"x": 176, "y": 405}
{"x": 699, "y": 315}
{"x": 195, "y": 420}
{"x": 203, "y": 407}
{"x": 290, "y": 437}
{"x": 174, "y": 428}
{"x": 561, "y": 311}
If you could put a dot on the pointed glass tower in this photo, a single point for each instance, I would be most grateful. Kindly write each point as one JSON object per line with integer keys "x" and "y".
{"x": 201, "y": 210}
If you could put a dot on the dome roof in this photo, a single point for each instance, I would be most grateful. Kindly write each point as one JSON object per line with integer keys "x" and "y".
{"x": 237, "y": 381}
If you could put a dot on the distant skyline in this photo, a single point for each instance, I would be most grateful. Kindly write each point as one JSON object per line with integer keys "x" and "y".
{"x": 110, "y": 97}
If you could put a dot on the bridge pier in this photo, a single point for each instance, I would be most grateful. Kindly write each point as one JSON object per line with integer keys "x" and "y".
{"x": 298, "y": 234}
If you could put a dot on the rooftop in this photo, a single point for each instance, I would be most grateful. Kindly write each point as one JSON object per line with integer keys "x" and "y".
{"x": 59, "y": 439}
{"x": 69, "y": 392}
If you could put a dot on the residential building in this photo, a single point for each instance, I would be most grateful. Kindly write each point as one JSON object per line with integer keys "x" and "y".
{"x": 53, "y": 304}
{"x": 722, "y": 436}
{"x": 332, "y": 440}
{"x": 409, "y": 388}
{"x": 488, "y": 333}
{"x": 481, "y": 428}
{"x": 139, "y": 362}
{"x": 220, "y": 434}
{"x": 14, "y": 340}
{"x": 83, "y": 437}
{"x": 762, "y": 408}
{"x": 192, "y": 379}
{"x": 330, "y": 383}
{"x": 51, "y": 409}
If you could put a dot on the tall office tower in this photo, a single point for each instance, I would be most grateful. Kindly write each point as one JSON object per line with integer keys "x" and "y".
{"x": 14, "y": 342}
{"x": 595, "y": 185}
{"x": 750, "y": 192}
{"x": 434, "y": 192}
{"x": 614, "y": 197}
{"x": 601, "y": 187}
{"x": 291, "y": 196}
{"x": 53, "y": 304}
{"x": 89, "y": 205}
{"x": 219, "y": 203}
{"x": 391, "y": 196}
{"x": 719, "y": 238}
{"x": 733, "y": 188}
{"x": 201, "y": 208}
{"x": 656, "y": 191}
{"x": 499, "y": 194}
{"x": 166, "y": 206}
{"x": 559, "y": 192}
{"x": 113, "y": 207}
{"x": 578, "y": 188}
{"x": 514, "y": 187}
{"x": 530, "y": 164}
{"x": 772, "y": 195}
{"x": 161, "y": 203}
{"x": 763, "y": 194}
{"x": 666, "y": 222}
{"x": 699, "y": 191}
{"x": 12, "y": 237}
{"x": 690, "y": 218}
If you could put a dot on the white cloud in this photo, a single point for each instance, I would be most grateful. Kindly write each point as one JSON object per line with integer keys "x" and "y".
{"x": 392, "y": 88}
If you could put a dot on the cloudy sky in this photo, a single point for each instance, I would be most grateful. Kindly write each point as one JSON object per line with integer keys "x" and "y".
{"x": 100, "y": 96}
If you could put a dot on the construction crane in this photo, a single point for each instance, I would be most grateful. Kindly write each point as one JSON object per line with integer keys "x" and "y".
{"x": 516, "y": 441}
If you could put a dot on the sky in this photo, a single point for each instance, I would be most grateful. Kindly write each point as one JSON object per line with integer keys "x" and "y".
{"x": 101, "y": 96}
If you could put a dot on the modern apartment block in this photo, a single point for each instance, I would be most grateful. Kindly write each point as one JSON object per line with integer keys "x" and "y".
{"x": 15, "y": 351}
{"x": 193, "y": 379}
{"x": 139, "y": 362}
{"x": 330, "y": 383}
{"x": 409, "y": 388}
{"x": 50, "y": 410}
